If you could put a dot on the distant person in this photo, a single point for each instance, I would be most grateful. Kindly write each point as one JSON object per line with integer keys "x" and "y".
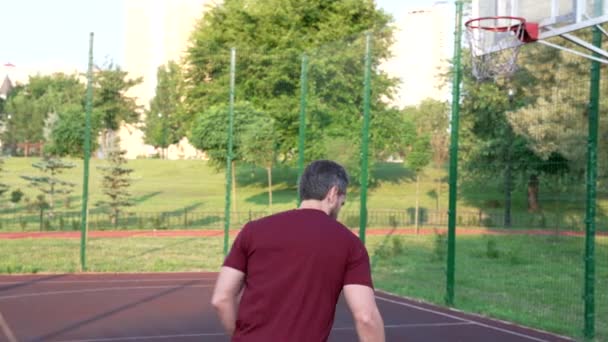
{"x": 285, "y": 272}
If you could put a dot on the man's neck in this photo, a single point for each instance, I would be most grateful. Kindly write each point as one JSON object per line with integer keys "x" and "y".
{"x": 314, "y": 204}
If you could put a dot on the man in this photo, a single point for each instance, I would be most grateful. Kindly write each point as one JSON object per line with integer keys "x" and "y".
{"x": 285, "y": 272}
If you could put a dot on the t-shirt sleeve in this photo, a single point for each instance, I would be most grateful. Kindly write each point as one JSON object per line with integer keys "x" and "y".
{"x": 358, "y": 269}
{"x": 237, "y": 257}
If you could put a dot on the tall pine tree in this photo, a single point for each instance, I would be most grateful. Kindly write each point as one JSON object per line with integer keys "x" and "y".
{"x": 116, "y": 182}
{"x": 3, "y": 187}
{"x": 50, "y": 184}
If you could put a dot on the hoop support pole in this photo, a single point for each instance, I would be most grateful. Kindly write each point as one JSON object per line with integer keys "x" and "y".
{"x": 578, "y": 53}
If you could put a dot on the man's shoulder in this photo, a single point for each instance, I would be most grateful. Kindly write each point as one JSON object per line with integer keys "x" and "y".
{"x": 275, "y": 219}
{"x": 282, "y": 215}
{"x": 291, "y": 216}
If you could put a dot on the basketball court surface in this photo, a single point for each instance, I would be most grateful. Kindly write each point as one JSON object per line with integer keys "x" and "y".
{"x": 175, "y": 307}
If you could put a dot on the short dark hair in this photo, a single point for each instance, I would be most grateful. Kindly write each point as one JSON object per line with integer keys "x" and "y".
{"x": 319, "y": 177}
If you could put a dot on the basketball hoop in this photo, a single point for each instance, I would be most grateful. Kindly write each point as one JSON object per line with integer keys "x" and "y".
{"x": 495, "y": 42}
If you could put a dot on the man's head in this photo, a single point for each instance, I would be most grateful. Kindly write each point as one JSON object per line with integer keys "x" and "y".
{"x": 324, "y": 181}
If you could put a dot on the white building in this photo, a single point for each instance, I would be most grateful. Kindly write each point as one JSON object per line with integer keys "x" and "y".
{"x": 420, "y": 54}
{"x": 157, "y": 31}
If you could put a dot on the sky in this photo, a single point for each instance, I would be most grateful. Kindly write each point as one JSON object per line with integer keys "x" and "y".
{"x": 49, "y": 34}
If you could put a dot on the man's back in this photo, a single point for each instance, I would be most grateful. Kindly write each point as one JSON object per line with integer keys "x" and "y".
{"x": 296, "y": 264}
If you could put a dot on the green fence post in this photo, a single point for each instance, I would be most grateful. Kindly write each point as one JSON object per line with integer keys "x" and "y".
{"x": 365, "y": 136}
{"x": 87, "y": 156}
{"x": 229, "y": 151}
{"x": 593, "y": 118}
{"x": 302, "y": 136}
{"x": 451, "y": 259}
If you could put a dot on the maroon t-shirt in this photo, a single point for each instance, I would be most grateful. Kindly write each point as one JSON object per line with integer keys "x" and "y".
{"x": 295, "y": 264}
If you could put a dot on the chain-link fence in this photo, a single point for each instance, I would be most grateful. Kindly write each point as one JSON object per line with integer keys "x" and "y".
{"x": 522, "y": 199}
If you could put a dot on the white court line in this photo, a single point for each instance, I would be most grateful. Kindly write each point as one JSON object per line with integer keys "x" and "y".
{"x": 50, "y": 293}
{"x": 413, "y": 325}
{"x": 135, "y": 338}
{"x": 7, "y": 330}
{"x": 35, "y": 282}
{"x": 462, "y": 319}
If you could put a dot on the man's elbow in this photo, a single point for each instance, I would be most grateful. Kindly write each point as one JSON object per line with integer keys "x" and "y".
{"x": 219, "y": 301}
{"x": 369, "y": 319}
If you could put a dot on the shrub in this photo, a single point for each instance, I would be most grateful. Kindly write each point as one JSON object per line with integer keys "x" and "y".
{"x": 439, "y": 247}
{"x": 16, "y": 196}
{"x": 492, "y": 249}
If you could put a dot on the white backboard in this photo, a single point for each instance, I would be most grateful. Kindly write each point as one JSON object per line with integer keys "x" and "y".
{"x": 555, "y": 17}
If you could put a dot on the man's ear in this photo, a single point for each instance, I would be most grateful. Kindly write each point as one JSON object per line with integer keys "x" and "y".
{"x": 332, "y": 194}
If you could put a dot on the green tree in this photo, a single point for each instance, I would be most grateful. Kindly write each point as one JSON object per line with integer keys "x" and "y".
{"x": 31, "y": 105}
{"x": 165, "y": 124}
{"x": 210, "y": 134}
{"x": 270, "y": 39}
{"x": 489, "y": 144}
{"x": 210, "y": 131}
{"x": 50, "y": 184}
{"x": 432, "y": 117}
{"x": 417, "y": 159}
{"x": 26, "y": 122}
{"x": 539, "y": 129}
{"x": 111, "y": 102}
{"x": 259, "y": 147}
{"x": 115, "y": 182}
{"x": 554, "y": 118}
{"x": 67, "y": 135}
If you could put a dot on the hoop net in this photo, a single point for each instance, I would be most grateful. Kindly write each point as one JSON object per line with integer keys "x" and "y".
{"x": 494, "y": 44}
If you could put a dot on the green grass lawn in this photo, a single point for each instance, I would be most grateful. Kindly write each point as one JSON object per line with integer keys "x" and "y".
{"x": 534, "y": 281}
{"x": 191, "y": 186}
{"x": 111, "y": 255}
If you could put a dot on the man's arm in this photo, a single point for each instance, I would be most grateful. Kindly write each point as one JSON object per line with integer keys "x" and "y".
{"x": 362, "y": 304}
{"x": 226, "y": 296}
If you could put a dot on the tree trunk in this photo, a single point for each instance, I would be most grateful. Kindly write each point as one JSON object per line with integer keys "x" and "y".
{"x": 438, "y": 193}
{"x": 269, "y": 173}
{"x": 234, "y": 206}
{"x": 41, "y": 218}
{"x": 557, "y": 212}
{"x": 508, "y": 186}
{"x": 417, "y": 204}
{"x": 533, "y": 189}
{"x": 52, "y": 195}
{"x": 104, "y": 143}
{"x": 107, "y": 139}
{"x": 115, "y": 218}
